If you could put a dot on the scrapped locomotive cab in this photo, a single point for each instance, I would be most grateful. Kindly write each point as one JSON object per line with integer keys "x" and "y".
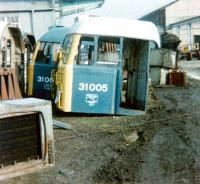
{"x": 44, "y": 62}
{"x": 105, "y": 70}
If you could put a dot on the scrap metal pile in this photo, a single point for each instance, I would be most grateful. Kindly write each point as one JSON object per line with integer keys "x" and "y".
{"x": 26, "y": 129}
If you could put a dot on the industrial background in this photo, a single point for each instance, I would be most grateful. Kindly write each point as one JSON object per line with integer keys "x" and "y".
{"x": 181, "y": 17}
{"x": 138, "y": 78}
{"x": 32, "y": 16}
{"x": 36, "y": 16}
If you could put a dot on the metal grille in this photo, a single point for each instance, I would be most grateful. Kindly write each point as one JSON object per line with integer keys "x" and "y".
{"x": 19, "y": 139}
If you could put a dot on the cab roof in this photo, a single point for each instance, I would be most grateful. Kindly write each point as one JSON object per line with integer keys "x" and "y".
{"x": 117, "y": 27}
{"x": 55, "y": 35}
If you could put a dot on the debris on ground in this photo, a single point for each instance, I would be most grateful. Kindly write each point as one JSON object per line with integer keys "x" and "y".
{"x": 162, "y": 147}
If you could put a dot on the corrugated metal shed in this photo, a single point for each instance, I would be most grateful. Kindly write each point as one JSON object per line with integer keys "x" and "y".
{"x": 32, "y": 16}
{"x": 13, "y": 5}
{"x": 36, "y": 16}
{"x": 43, "y": 20}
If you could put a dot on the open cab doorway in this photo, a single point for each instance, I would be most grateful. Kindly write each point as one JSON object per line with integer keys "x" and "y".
{"x": 134, "y": 90}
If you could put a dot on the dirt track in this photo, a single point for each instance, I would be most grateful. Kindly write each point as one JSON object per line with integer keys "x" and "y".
{"x": 162, "y": 147}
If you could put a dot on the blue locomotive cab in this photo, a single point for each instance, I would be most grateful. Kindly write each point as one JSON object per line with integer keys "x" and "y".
{"x": 104, "y": 68}
{"x": 44, "y": 62}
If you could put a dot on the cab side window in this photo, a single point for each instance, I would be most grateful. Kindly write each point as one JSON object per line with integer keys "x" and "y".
{"x": 86, "y": 51}
{"x": 108, "y": 50}
{"x": 55, "y": 52}
{"x": 44, "y": 53}
{"x": 67, "y": 46}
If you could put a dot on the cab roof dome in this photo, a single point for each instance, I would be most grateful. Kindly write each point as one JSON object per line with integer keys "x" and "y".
{"x": 117, "y": 28}
{"x": 55, "y": 35}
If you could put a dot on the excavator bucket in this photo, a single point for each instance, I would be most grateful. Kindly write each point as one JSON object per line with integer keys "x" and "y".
{"x": 9, "y": 88}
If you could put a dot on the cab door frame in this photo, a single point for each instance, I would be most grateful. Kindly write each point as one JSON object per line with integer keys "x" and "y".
{"x": 113, "y": 82}
{"x": 43, "y": 73}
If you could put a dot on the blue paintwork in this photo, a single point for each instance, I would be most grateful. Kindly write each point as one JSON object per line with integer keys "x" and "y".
{"x": 98, "y": 75}
{"x": 119, "y": 80}
{"x": 143, "y": 75}
{"x": 111, "y": 75}
{"x": 43, "y": 88}
{"x": 104, "y": 97}
{"x": 55, "y": 35}
{"x": 42, "y": 81}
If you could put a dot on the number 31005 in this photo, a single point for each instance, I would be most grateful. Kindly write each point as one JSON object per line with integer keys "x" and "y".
{"x": 93, "y": 87}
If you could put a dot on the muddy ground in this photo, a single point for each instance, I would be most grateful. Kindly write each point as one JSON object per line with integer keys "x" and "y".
{"x": 162, "y": 147}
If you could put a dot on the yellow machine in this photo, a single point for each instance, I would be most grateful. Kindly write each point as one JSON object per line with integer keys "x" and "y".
{"x": 188, "y": 53}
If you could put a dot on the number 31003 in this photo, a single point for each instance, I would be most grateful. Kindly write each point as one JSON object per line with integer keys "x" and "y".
{"x": 93, "y": 87}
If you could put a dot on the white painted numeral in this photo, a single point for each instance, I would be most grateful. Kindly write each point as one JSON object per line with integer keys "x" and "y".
{"x": 45, "y": 79}
{"x": 93, "y": 87}
{"x": 81, "y": 87}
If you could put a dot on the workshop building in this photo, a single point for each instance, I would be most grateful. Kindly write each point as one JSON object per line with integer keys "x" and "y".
{"x": 36, "y": 16}
{"x": 181, "y": 17}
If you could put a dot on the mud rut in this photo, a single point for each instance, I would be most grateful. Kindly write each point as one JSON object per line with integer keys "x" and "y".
{"x": 169, "y": 151}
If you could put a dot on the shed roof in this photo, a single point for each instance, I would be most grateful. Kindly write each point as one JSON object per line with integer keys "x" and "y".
{"x": 118, "y": 28}
{"x": 55, "y": 35}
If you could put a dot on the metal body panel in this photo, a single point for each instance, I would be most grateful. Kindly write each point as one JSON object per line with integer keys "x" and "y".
{"x": 73, "y": 6}
{"x": 138, "y": 75}
{"x": 13, "y": 108}
{"x": 55, "y": 35}
{"x": 43, "y": 81}
{"x": 64, "y": 82}
{"x": 24, "y": 4}
{"x": 90, "y": 74}
{"x": 85, "y": 78}
{"x": 10, "y": 32}
{"x": 94, "y": 89}
{"x": 42, "y": 21}
{"x": 117, "y": 28}
{"x": 20, "y": 139}
{"x": 143, "y": 76}
{"x": 12, "y": 50}
{"x": 31, "y": 21}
